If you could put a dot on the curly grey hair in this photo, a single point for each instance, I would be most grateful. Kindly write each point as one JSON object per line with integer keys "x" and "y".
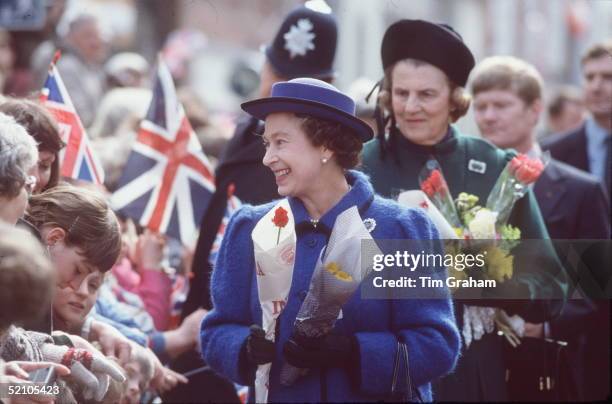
{"x": 18, "y": 154}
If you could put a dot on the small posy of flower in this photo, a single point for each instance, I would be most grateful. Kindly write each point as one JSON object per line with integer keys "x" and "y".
{"x": 280, "y": 220}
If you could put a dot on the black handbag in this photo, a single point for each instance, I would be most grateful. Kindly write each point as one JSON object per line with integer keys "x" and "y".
{"x": 538, "y": 370}
{"x": 401, "y": 371}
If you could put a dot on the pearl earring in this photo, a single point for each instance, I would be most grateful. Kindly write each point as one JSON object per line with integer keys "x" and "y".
{"x": 324, "y": 160}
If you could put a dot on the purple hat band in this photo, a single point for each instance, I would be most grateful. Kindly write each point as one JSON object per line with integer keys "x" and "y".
{"x": 332, "y": 98}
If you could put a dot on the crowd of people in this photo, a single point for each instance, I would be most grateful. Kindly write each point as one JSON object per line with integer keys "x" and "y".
{"x": 112, "y": 312}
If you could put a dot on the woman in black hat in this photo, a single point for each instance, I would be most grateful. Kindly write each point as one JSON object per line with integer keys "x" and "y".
{"x": 426, "y": 69}
{"x": 313, "y": 140}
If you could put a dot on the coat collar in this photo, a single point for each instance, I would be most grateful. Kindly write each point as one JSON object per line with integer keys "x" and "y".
{"x": 447, "y": 145}
{"x": 361, "y": 195}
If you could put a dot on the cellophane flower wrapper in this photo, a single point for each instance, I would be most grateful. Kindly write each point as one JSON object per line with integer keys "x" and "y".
{"x": 516, "y": 179}
{"x": 274, "y": 251}
{"x": 335, "y": 279}
{"x": 433, "y": 184}
{"x": 418, "y": 199}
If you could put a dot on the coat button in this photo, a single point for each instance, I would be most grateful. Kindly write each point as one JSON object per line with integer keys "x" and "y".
{"x": 302, "y": 295}
{"x": 312, "y": 243}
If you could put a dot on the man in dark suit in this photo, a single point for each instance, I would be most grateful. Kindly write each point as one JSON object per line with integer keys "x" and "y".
{"x": 589, "y": 147}
{"x": 507, "y": 105}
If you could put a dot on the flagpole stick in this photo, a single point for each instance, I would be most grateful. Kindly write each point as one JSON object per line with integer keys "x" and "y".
{"x": 56, "y": 56}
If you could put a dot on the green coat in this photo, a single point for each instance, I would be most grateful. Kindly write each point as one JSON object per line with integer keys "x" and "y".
{"x": 546, "y": 279}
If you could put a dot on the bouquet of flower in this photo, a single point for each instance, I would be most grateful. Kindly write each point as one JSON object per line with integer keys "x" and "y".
{"x": 515, "y": 180}
{"x": 473, "y": 222}
{"x": 335, "y": 279}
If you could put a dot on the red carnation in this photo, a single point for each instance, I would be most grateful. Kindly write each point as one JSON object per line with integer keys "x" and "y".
{"x": 526, "y": 170}
{"x": 281, "y": 217}
{"x": 280, "y": 220}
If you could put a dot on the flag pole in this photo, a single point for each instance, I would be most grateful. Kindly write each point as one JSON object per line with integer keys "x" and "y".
{"x": 56, "y": 56}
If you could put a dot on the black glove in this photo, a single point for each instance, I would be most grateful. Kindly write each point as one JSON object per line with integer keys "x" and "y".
{"x": 258, "y": 349}
{"x": 329, "y": 351}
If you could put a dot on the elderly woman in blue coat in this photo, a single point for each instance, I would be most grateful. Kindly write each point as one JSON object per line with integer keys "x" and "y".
{"x": 312, "y": 141}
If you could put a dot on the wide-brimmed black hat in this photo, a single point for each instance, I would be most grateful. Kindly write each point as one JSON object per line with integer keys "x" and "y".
{"x": 437, "y": 44}
{"x": 310, "y": 97}
{"x": 305, "y": 45}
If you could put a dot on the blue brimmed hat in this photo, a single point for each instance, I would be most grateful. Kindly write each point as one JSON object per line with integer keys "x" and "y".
{"x": 310, "y": 97}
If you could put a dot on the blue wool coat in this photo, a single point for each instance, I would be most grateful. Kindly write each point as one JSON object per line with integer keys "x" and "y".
{"x": 426, "y": 326}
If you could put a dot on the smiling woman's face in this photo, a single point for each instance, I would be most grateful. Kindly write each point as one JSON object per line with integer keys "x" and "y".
{"x": 295, "y": 162}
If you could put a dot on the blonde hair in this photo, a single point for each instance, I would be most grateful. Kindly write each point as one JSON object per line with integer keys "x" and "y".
{"x": 84, "y": 215}
{"x": 597, "y": 50}
{"x": 507, "y": 73}
{"x": 459, "y": 98}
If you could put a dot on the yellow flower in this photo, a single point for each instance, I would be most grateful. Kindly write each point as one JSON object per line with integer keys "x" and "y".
{"x": 343, "y": 276}
{"x": 332, "y": 268}
{"x": 335, "y": 270}
{"x": 499, "y": 264}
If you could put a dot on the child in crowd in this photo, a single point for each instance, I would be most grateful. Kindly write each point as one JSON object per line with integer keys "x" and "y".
{"x": 139, "y": 373}
{"x": 84, "y": 242}
{"x": 26, "y": 287}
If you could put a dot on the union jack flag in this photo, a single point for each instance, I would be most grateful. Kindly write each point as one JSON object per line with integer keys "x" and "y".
{"x": 233, "y": 203}
{"x": 167, "y": 182}
{"x": 78, "y": 159}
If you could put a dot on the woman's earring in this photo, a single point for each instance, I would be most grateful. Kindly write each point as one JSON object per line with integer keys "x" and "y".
{"x": 324, "y": 160}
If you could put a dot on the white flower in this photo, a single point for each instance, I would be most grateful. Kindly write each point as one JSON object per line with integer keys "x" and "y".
{"x": 298, "y": 40}
{"x": 482, "y": 226}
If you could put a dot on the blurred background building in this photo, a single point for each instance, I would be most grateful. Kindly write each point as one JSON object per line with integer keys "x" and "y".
{"x": 213, "y": 46}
